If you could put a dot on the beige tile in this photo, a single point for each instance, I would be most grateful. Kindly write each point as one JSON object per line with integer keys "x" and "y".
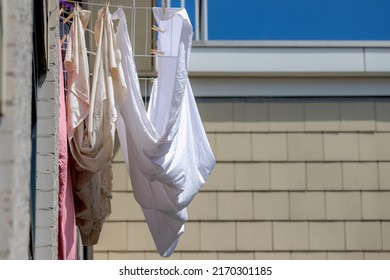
{"x": 221, "y": 178}
{"x": 376, "y": 255}
{"x": 199, "y": 256}
{"x": 343, "y": 206}
{"x": 341, "y": 147}
{"x": 291, "y": 236}
{"x": 118, "y": 154}
{"x": 345, "y": 256}
{"x": 250, "y": 116}
{"x": 125, "y": 208}
{"x": 256, "y": 236}
{"x": 363, "y": 235}
{"x": 327, "y": 236}
{"x": 272, "y": 256}
{"x": 360, "y": 176}
{"x": 269, "y": 147}
{"x": 216, "y": 116}
{"x": 324, "y": 176}
{"x": 234, "y": 147}
{"x": 384, "y": 175}
{"x": 271, "y": 206}
{"x": 322, "y": 116}
{"x": 309, "y": 256}
{"x": 307, "y": 206}
{"x": 386, "y": 235}
{"x": 305, "y": 147}
{"x": 374, "y": 146}
{"x": 120, "y": 177}
{"x": 235, "y": 206}
{"x": 190, "y": 239}
{"x": 212, "y": 138}
{"x": 203, "y": 207}
{"x": 236, "y": 256}
{"x": 376, "y": 205}
{"x": 113, "y": 237}
{"x": 100, "y": 256}
{"x": 286, "y": 117}
{"x": 156, "y": 256}
{"x": 126, "y": 256}
{"x": 288, "y": 176}
{"x": 139, "y": 237}
{"x": 218, "y": 236}
{"x": 252, "y": 176}
{"x": 357, "y": 116}
{"x": 382, "y": 116}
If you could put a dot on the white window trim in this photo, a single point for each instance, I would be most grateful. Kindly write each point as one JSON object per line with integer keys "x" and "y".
{"x": 290, "y": 61}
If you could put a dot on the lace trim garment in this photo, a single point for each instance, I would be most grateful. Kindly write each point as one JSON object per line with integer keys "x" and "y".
{"x": 165, "y": 148}
{"x": 92, "y": 112}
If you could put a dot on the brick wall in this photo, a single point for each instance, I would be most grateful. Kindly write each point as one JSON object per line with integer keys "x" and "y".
{"x": 46, "y": 228}
{"x": 293, "y": 180}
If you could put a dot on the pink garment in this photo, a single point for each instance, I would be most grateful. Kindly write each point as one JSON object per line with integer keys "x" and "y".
{"x": 66, "y": 215}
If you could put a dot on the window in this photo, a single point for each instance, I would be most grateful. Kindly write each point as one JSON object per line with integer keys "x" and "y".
{"x": 357, "y": 20}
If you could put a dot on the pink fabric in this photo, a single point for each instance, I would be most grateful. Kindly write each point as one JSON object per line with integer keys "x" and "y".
{"x": 66, "y": 215}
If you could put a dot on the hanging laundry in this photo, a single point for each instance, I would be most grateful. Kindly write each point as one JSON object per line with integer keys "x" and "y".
{"x": 67, "y": 237}
{"x": 165, "y": 148}
{"x": 92, "y": 112}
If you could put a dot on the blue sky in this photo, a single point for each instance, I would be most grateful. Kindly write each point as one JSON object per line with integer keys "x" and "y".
{"x": 296, "y": 19}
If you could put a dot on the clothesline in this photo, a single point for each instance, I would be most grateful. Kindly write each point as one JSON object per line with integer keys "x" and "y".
{"x": 116, "y": 6}
{"x": 132, "y": 29}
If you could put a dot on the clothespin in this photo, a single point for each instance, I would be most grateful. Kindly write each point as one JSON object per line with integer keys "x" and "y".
{"x": 69, "y": 18}
{"x": 156, "y": 28}
{"x": 63, "y": 40}
{"x": 163, "y": 6}
{"x": 156, "y": 52}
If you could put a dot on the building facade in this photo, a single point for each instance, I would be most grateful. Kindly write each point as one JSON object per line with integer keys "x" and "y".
{"x": 300, "y": 131}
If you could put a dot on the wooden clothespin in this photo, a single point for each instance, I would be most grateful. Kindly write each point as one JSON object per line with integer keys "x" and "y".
{"x": 156, "y": 28}
{"x": 156, "y": 52}
{"x": 69, "y": 18}
{"x": 63, "y": 40}
{"x": 163, "y": 6}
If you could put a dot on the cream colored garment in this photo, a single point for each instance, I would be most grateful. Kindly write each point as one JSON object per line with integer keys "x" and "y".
{"x": 93, "y": 113}
{"x": 92, "y": 143}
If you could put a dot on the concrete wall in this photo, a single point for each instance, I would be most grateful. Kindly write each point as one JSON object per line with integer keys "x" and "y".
{"x": 15, "y": 148}
{"x": 294, "y": 180}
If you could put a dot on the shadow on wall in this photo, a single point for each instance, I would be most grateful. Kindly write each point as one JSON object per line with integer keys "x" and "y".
{"x": 316, "y": 115}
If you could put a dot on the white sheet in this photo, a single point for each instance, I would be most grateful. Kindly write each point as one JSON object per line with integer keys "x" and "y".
{"x": 165, "y": 149}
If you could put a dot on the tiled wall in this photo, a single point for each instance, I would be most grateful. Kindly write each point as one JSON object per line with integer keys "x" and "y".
{"x": 293, "y": 180}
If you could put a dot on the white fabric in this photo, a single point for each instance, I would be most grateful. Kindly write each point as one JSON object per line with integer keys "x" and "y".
{"x": 92, "y": 113}
{"x": 76, "y": 64}
{"x": 92, "y": 129}
{"x": 165, "y": 149}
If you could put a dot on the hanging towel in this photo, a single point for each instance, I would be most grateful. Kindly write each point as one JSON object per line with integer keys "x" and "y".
{"x": 165, "y": 148}
{"x": 67, "y": 238}
{"x": 93, "y": 112}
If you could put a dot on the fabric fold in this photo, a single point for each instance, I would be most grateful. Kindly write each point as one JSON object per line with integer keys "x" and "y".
{"x": 165, "y": 148}
{"x": 92, "y": 109}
